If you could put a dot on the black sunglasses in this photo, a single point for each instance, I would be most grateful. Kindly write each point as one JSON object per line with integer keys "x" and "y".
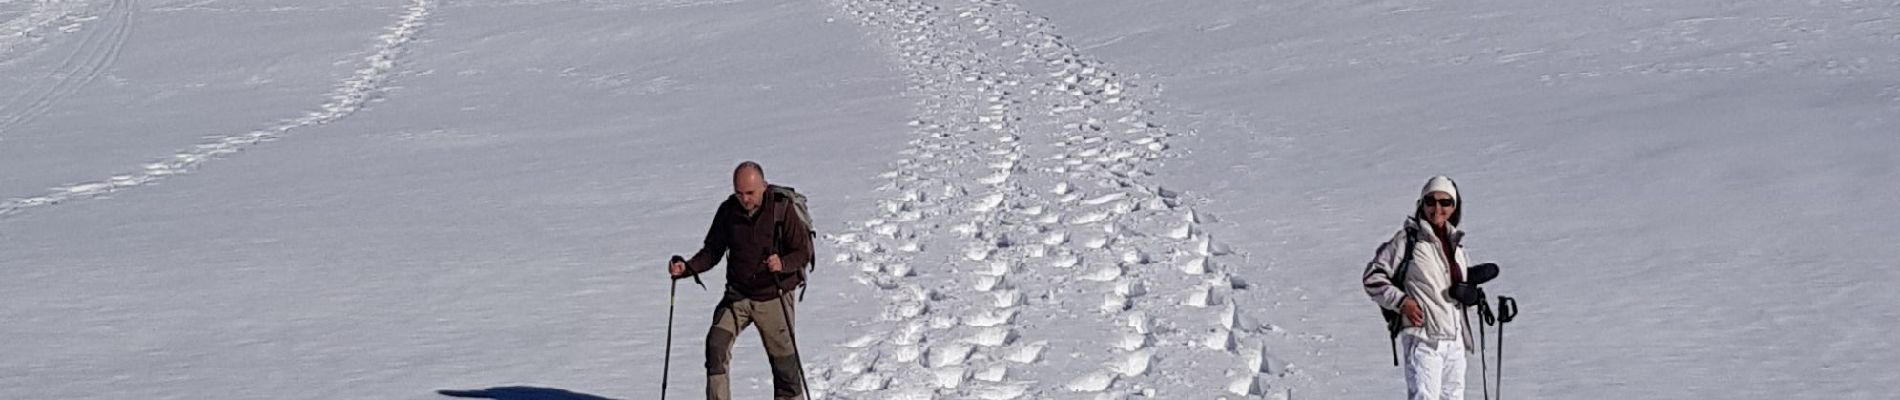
{"x": 1446, "y": 203}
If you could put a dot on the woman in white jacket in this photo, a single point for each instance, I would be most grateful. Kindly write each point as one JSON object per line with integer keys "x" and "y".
{"x": 1435, "y": 337}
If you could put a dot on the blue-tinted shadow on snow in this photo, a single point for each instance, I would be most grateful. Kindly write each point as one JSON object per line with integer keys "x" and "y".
{"x": 520, "y": 393}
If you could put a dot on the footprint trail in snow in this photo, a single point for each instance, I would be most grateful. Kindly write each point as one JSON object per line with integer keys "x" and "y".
{"x": 1022, "y": 248}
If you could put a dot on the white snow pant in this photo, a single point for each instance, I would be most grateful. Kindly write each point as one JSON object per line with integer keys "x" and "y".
{"x": 1434, "y": 370}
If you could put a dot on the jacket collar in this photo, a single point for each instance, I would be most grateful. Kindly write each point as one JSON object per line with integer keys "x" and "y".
{"x": 738, "y": 210}
{"x": 768, "y": 205}
{"x": 1425, "y": 232}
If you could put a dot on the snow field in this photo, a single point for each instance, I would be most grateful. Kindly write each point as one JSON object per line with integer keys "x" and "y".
{"x": 101, "y": 46}
{"x": 1024, "y": 248}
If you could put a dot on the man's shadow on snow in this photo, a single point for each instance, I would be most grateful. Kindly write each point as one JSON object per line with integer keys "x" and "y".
{"x": 520, "y": 393}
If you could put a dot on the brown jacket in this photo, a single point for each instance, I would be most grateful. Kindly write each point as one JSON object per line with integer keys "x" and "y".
{"x": 746, "y": 241}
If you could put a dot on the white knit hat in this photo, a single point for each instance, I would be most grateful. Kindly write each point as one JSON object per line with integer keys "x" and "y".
{"x": 1440, "y": 183}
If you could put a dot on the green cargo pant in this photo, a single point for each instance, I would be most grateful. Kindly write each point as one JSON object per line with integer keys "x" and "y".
{"x": 733, "y": 315}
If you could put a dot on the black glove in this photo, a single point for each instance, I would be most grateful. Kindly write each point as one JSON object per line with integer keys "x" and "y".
{"x": 1481, "y": 273}
{"x": 1466, "y": 294}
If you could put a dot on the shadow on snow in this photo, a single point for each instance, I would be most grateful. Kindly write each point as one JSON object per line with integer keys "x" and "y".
{"x": 520, "y": 393}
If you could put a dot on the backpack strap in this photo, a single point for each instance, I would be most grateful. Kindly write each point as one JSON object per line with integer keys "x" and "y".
{"x": 1394, "y": 325}
{"x": 779, "y": 202}
{"x": 1405, "y": 261}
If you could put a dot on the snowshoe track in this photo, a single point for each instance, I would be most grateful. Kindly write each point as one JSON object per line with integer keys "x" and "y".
{"x": 1023, "y": 249}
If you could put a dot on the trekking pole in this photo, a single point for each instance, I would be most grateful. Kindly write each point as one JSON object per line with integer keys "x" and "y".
{"x": 666, "y": 370}
{"x": 672, "y": 296}
{"x": 792, "y": 333}
{"x": 779, "y": 285}
{"x": 1485, "y": 318}
{"x": 1507, "y": 311}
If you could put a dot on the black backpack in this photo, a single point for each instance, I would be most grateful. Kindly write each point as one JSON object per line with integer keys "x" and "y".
{"x": 1394, "y": 321}
{"x": 798, "y": 211}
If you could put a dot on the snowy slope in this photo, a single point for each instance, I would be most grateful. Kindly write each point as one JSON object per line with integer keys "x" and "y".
{"x": 1691, "y": 199}
{"x": 1019, "y": 199}
{"x": 497, "y": 213}
{"x": 1026, "y": 252}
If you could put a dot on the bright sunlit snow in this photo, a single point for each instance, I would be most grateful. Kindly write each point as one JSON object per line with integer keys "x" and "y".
{"x": 1017, "y": 199}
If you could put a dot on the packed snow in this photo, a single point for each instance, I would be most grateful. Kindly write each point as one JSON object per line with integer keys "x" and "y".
{"x": 1053, "y": 199}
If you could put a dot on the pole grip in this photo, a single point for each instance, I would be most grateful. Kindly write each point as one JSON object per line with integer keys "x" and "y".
{"x": 1507, "y": 309}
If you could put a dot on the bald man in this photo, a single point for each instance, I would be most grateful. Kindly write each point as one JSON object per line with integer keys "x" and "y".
{"x": 765, "y": 244}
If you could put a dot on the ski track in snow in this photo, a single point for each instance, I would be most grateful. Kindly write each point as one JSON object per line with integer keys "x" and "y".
{"x": 30, "y": 25}
{"x": 1023, "y": 250}
{"x": 350, "y": 95}
{"x": 97, "y": 51}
